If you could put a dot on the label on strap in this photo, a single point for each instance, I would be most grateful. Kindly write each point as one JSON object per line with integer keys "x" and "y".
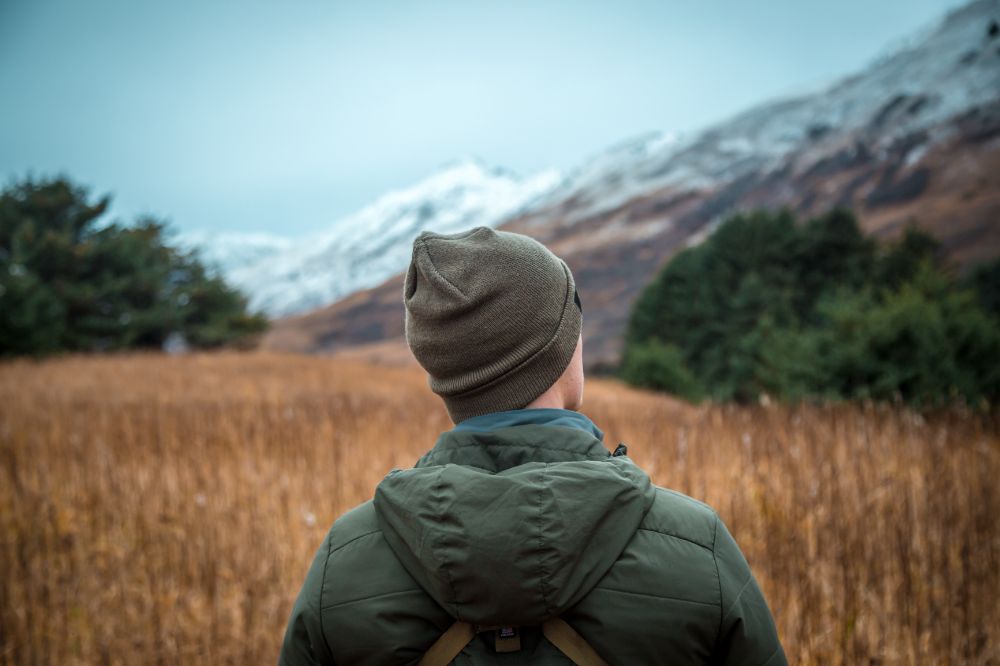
{"x": 508, "y": 639}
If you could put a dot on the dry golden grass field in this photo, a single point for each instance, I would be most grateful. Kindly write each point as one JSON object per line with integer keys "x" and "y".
{"x": 165, "y": 510}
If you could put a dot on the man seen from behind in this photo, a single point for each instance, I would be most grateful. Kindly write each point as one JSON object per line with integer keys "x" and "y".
{"x": 519, "y": 538}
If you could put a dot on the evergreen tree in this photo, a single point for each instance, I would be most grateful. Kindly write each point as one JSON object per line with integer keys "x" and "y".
{"x": 831, "y": 250}
{"x": 659, "y": 366}
{"x": 69, "y": 281}
{"x": 905, "y": 257}
{"x": 984, "y": 280}
{"x": 815, "y": 310}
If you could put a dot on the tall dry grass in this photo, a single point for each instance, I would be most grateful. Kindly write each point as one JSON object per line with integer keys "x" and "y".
{"x": 164, "y": 510}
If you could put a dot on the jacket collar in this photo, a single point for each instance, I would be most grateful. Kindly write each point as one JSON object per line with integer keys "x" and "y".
{"x": 496, "y": 442}
{"x": 515, "y": 417}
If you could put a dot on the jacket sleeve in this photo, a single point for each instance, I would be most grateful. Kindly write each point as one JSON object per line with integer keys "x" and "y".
{"x": 747, "y": 635}
{"x": 305, "y": 644}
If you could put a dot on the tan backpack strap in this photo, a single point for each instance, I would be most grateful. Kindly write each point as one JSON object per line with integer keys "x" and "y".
{"x": 571, "y": 643}
{"x": 449, "y": 645}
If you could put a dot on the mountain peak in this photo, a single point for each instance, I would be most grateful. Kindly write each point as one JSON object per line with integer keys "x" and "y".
{"x": 360, "y": 250}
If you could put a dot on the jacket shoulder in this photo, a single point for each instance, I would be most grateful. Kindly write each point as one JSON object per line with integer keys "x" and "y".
{"x": 358, "y": 604}
{"x": 372, "y": 610}
{"x": 676, "y": 515}
{"x": 690, "y": 572}
{"x": 665, "y": 579}
{"x": 356, "y": 548}
{"x": 357, "y": 523}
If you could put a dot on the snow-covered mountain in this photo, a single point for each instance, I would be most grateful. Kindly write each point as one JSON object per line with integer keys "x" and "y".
{"x": 913, "y": 139}
{"x": 284, "y": 276}
{"x": 228, "y": 251}
{"x": 934, "y": 76}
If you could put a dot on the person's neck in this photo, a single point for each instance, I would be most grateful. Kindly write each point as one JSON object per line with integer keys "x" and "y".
{"x": 551, "y": 399}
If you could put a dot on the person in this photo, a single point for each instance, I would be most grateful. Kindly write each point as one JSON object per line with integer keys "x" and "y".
{"x": 519, "y": 538}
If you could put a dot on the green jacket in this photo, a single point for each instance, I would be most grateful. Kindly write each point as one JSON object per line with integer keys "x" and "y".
{"x": 512, "y": 519}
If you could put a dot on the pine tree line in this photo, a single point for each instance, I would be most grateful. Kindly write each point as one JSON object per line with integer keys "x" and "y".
{"x": 816, "y": 310}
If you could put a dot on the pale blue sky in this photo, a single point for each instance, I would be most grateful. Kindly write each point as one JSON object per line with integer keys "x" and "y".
{"x": 269, "y": 116}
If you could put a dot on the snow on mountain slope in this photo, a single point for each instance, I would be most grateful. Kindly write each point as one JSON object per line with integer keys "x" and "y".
{"x": 228, "y": 251}
{"x": 284, "y": 276}
{"x": 936, "y": 75}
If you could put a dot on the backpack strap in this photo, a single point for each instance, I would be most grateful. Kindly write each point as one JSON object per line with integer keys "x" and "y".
{"x": 449, "y": 645}
{"x": 571, "y": 643}
{"x": 557, "y": 631}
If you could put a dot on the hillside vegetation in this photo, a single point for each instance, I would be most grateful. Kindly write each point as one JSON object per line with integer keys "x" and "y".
{"x": 770, "y": 306}
{"x": 165, "y": 510}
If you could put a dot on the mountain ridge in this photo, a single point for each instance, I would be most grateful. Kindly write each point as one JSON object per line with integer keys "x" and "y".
{"x": 914, "y": 139}
{"x": 284, "y": 276}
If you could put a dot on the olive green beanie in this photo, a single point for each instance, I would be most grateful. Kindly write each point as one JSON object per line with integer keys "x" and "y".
{"x": 491, "y": 317}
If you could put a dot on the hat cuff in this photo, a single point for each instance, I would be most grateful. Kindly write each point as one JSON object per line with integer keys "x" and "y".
{"x": 522, "y": 384}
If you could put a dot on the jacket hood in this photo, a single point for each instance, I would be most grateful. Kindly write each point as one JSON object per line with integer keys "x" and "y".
{"x": 512, "y": 526}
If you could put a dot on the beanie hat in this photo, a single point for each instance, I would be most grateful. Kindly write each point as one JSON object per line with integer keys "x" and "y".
{"x": 491, "y": 316}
